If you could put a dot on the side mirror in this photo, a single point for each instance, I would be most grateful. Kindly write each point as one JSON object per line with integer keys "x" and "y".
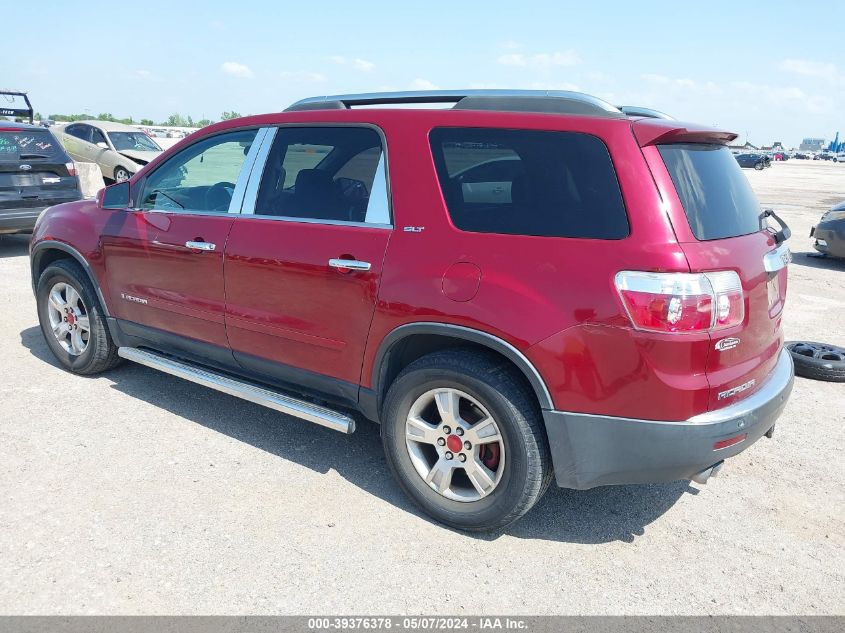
{"x": 102, "y": 144}
{"x": 116, "y": 196}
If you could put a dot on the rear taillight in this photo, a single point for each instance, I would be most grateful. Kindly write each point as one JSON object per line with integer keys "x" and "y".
{"x": 681, "y": 302}
{"x": 71, "y": 168}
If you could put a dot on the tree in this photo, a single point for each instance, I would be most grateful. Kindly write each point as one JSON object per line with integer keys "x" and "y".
{"x": 203, "y": 122}
{"x": 38, "y": 116}
{"x": 106, "y": 116}
{"x": 177, "y": 120}
{"x": 147, "y": 122}
{"x": 230, "y": 115}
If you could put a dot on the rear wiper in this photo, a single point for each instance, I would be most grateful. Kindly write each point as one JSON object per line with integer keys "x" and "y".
{"x": 31, "y": 156}
{"x": 780, "y": 236}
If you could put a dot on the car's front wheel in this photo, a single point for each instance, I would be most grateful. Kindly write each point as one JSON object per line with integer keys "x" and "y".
{"x": 759, "y": 166}
{"x": 121, "y": 174}
{"x": 464, "y": 437}
{"x": 72, "y": 319}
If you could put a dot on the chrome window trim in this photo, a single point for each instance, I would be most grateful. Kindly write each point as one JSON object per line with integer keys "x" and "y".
{"x": 246, "y": 170}
{"x": 256, "y": 173}
{"x": 248, "y": 207}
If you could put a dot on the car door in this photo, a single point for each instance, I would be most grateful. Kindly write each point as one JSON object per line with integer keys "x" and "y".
{"x": 304, "y": 258}
{"x": 101, "y": 154}
{"x": 72, "y": 139}
{"x": 164, "y": 257}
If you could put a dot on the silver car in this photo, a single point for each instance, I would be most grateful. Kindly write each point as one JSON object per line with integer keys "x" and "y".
{"x": 120, "y": 150}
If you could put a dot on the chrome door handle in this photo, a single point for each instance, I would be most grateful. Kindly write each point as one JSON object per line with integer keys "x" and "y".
{"x": 349, "y": 264}
{"x": 200, "y": 246}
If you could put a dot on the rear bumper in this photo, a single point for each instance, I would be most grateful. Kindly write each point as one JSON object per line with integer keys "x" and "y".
{"x": 592, "y": 450}
{"x": 19, "y": 220}
{"x": 828, "y": 240}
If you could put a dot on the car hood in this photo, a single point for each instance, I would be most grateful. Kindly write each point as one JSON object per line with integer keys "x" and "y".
{"x": 140, "y": 157}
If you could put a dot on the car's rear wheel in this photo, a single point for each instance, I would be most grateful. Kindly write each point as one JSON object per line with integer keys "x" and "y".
{"x": 464, "y": 437}
{"x": 759, "y": 166}
{"x": 72, "y": 320}
{"x": 121, "y": 174}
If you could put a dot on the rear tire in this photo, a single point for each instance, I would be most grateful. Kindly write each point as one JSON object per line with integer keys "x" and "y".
{"x": 80, "y": 341}
{"x": 506, "y": 466}
{"x": 759, "y": 166}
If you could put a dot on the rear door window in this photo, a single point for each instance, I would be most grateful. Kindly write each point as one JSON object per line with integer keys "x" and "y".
{"x": 717, "y": 199}
{"x": 529, "y": 182}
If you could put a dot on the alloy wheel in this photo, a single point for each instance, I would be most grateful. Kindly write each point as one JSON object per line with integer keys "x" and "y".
{"x": 455, "y": 444}
{"x": 69, "y": 318}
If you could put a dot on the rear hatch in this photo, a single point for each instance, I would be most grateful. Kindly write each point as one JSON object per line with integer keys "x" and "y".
{"x": 35, "y": 171}
{"x": 719, "y": 225}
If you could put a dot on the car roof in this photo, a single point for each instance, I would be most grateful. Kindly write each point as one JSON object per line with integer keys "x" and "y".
{"x": 19, "y": 126}
{"x": 109, "y": 126}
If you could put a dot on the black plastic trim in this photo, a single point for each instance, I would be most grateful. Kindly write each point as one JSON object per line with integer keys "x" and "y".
{"x": 35, "y": 258}
{"x": 462, "y": 333}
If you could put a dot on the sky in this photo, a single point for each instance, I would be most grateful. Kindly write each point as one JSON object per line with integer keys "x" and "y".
{"x": 770, "y": 71}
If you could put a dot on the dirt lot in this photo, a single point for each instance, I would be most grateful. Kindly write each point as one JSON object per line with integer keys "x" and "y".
{"x": 138, "y": 493}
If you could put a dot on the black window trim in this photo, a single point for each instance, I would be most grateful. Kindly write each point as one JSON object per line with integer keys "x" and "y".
{"x": 258, "y": 172}
{"x": 435, "y": 162}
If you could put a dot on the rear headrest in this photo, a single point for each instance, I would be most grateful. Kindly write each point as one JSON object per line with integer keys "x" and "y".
{"x": 313, "y": 180}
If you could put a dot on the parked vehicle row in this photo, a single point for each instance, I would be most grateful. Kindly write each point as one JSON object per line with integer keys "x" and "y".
{"x": 829, "y": 233}
{"x": 336, "y": 261}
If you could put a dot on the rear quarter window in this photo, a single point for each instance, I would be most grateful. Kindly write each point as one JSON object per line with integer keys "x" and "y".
{"x": 717, "y": 199}
{"x": 529, "y": 182}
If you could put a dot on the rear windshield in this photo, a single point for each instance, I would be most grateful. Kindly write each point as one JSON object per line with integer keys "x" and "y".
{"x": 30, "y": 145}
{"x": 529, "y": 182}
{"x": 717, "y": 198}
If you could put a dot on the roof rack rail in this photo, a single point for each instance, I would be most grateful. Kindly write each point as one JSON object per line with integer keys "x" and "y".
{"x": 645, "y": 112}
{"x": 546, "y": 101}
{"x": 17, "y": 112}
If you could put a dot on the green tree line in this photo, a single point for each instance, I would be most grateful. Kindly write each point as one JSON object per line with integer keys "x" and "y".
{"x": 174, "y": 120}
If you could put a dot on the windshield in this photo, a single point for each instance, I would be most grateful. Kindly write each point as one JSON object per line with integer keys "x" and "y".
{"x": 133, "y": 141}
{"x": 30, "y": 145}
{"x": 717, "y": 198}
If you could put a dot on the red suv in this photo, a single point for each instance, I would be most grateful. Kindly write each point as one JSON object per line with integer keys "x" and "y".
{"x": 524, "y": 286}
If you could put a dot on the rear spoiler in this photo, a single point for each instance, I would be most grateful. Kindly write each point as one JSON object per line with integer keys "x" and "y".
{"x": 663, "y": 131}
{"x": 16, "y": 112}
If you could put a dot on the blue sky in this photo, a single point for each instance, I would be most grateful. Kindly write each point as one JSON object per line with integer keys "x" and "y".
{"x": 767, "y": 69}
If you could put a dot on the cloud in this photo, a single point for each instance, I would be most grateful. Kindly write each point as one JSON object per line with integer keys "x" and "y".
{"x": 541, "y": 60}
{"x": 143, "y": 73}
{"x": 236, "y": 69}
{"x": 303, "y": 76}
{"x": 511, "y": 44}
{"x": 823, "y": 70}
{"x": 655, "y": 79}
{"x": 684, "y": 85}
{"x": 363, "y": 65}
{"x": 356, "y": 63}
{"x": 423, "y": 84}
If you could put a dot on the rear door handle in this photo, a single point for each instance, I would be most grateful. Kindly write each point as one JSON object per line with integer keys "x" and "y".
{"x": 200, "y": 246}
{"x": 349, "y": 264}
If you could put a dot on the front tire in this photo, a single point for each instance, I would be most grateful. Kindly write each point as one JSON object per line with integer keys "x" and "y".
{"x": 121, "y": 174}
{"x": 464, "y": 437}
{"x": 759, "y": 166}
{"x": 72, "y": 320}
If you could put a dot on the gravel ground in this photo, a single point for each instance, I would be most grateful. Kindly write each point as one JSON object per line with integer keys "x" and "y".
{"x": 138, "y": 493}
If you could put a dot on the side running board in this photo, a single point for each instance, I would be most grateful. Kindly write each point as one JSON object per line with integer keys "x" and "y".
{"x": 266, "y": 398}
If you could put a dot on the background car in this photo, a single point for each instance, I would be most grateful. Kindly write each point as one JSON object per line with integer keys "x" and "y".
{"x": 120, "y": 150}
{"x": 757, "y": 161}
{"x": 830, "y": 232}
{"x": 839, "y": 158}
{"x": 35, "y": 173}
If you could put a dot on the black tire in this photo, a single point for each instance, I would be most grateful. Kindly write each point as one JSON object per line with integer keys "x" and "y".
{"x": 121, "y": 171}
{"x": 100, "y": 353}
{"x": 498, "y": 386}
{"x": 818, "y": 361}
{"x": 759, "y": 166}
